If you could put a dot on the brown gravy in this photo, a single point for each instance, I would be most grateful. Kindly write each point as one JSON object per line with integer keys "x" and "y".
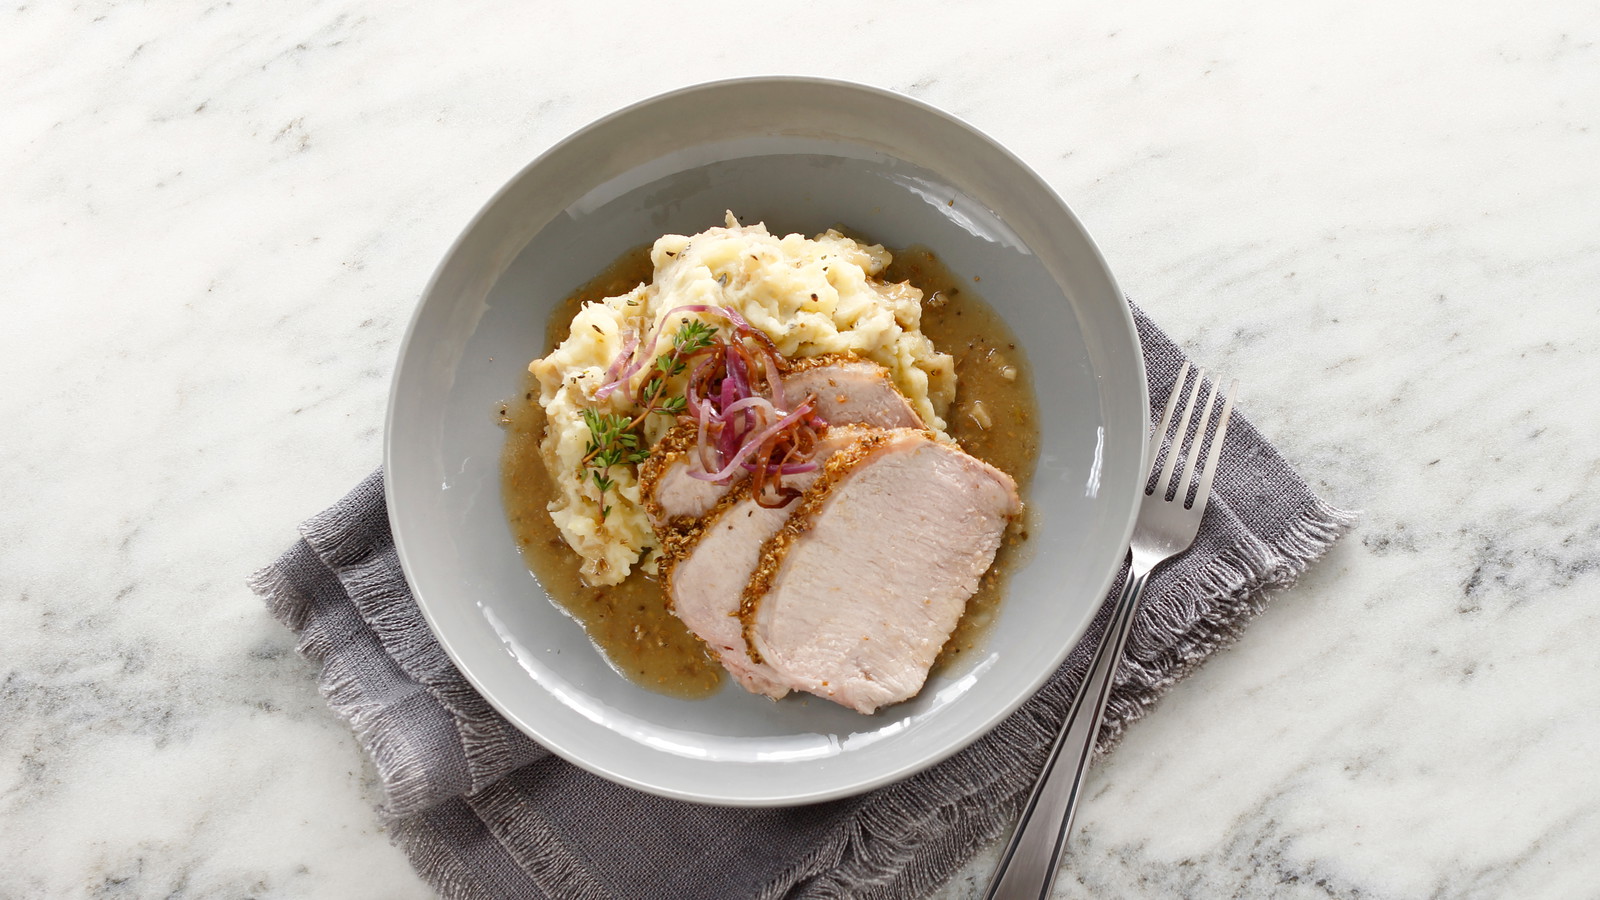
{"x": 994, "y": 417}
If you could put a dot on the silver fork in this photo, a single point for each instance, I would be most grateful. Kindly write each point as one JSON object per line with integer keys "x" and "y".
{"x": 1164, "y": 529}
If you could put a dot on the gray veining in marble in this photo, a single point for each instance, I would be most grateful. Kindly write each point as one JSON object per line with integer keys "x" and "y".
{"x": 214, "y": 219}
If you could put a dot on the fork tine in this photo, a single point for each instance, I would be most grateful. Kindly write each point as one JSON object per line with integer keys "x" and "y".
{"x": 1204, "y": 493}
{"x": 1166, "y": 419}
{"x": 1182, "y": 496}
{"x": 1165, "y": 481}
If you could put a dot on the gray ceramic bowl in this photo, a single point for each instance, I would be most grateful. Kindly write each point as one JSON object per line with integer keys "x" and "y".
{"x": 800, "y": 154}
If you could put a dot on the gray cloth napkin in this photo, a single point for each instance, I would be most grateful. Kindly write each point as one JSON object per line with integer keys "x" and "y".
{"x": 483, "y": 811}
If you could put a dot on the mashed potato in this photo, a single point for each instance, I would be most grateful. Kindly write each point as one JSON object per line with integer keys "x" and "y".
{"x": 812, "y": 296}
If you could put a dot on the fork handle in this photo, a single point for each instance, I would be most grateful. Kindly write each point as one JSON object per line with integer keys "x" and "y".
{"x": 1027, "y": 869}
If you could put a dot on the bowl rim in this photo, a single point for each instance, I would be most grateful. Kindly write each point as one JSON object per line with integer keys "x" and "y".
{"x": 462, "y": 663}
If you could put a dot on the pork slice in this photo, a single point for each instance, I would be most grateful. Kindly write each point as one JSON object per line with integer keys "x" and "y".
{"x": 680, "y": 494}
{"x": 670, "y": 494}
{"x": 854, "y": 597}
{"x": 850, "y": 390}
{"x": 706, "y": 575}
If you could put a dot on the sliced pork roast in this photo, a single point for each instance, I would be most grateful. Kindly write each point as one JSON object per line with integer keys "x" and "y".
{"x": 706, "y": 573}
{"x": 855, "y": 595}
{"x": 716, "y": 543}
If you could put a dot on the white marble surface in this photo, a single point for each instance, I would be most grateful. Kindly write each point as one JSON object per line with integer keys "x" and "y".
{"x": 1384, "y": 218}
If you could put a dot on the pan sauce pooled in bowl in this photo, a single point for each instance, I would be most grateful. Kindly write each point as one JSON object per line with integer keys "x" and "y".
{"x": 702, "y": 419}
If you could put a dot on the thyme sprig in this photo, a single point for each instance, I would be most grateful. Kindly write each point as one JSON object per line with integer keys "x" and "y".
{"x": 614, "y": 439}
{"x": 691, "y": 338}
{"x": 611, "y": 443}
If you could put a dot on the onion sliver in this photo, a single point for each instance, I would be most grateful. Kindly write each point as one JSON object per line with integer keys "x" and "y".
{"x": 722, "y": 475}
{"x": 630, "y": 342}
{"x": 648, "y": 345}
